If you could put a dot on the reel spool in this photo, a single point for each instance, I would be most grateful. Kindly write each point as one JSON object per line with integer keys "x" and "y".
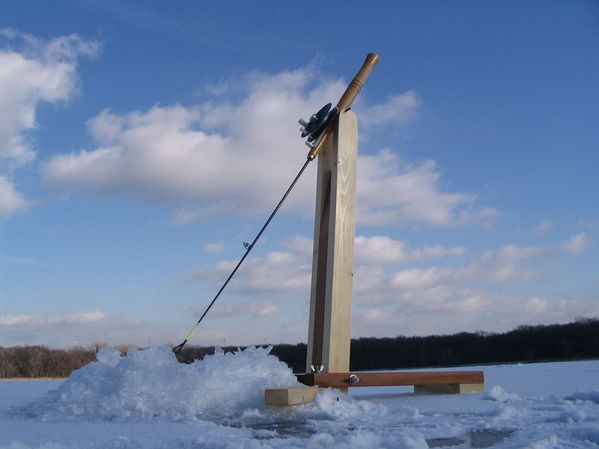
{"x": 318, "y": 122}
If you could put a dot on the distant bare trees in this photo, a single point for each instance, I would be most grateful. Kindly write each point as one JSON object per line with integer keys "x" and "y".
{"x": 572, "y": 341}
{"x": 40, "y": 361}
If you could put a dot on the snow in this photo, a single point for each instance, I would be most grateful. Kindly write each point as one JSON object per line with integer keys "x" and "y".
{"x": 148, "y": 400}
{"x": 151, "y": 384}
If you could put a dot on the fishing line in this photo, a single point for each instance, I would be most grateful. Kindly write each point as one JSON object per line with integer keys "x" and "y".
{"x": 248, "y": 249}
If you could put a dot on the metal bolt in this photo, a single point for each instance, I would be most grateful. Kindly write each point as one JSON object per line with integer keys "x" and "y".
{"x": 353, "y": 379}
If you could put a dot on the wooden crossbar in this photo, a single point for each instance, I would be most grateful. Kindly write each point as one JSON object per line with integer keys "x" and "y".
{"x": 423, "y": 381}
{"x": 339, "y": 380}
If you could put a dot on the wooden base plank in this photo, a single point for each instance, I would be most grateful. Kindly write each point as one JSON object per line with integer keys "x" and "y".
{"x": 430, "y": 381}
{"x": 337, "y": 380}
{"x": 290, "y": 396}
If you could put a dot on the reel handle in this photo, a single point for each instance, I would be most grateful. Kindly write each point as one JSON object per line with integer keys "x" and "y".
{"x": 348, "y": 97}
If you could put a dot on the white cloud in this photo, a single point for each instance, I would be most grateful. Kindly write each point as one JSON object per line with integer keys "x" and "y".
{"x": 389, "y": 298}
{"x": 277, "y": 272}
{"x": 31, "y": 72}
{"x": 254, "y": 308}
{"x": 85, "y": 317}
{"x": 478, "y": 295}
{"x": 384, "y": 250}
{"x": 482, "y": 292}
{"x": 38, "y": 72}
{"x": 419, "y": 278}
{"x": 33, "y": 320}
{"x": 467, "y": 310}
{"x": 290, "y": 271}
{"x": 431, "y": 285}
{"x": 161, "y": 155}
{"x": 377, "y": 279}
{"x": 577, "y": 243}
{"x": 57, "y": 329}
{"x": 377, "y": 315}
{"x": 398, "y": 109}
{"x": 237, "y": 158}
{"x": 10, "y": 200}
{"x": 215, "y": 247}
{"x": 387, "y": 302}
{"x": 300, "y": 245}
{"x": 393, "y": 192}
{"x": 215, "y": 159}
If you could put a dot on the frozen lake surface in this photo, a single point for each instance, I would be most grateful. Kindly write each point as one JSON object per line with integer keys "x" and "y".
{"x": 148, "y": 400}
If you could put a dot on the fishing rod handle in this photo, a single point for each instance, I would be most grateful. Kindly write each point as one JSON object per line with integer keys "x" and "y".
{"x": 355, "y": 86}
{"x": 347, "y": 99}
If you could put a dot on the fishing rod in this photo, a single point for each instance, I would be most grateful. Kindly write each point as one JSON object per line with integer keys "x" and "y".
{"x": 317, "y": 131}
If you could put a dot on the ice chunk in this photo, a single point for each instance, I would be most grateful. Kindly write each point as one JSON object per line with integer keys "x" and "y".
{"x": 108, "y": 356}
{"x": 500, "y": 395}
{"x": 151, "y": 383}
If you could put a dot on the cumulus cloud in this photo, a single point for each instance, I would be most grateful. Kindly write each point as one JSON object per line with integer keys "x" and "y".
{"x": 398, "y": 109}
{"x": 384, "y": 250}
{"x": 224, "y": 157}
{"x": 467, "y": 310}
{"x": 430, "y": 286}
{"x": 277, "y": 272}
{"x": 390, "y": 297}
{"x": 394, "y": 192}
{"x": 379, "y": 278}
{"x": 32, "y": 72}
{"x": 214, "y": 158}
{"x": 290, "y": 270}
{"x": 10, "y": 199}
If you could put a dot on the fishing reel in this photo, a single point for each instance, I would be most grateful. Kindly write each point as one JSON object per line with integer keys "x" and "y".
{"x": 318, "y": 122}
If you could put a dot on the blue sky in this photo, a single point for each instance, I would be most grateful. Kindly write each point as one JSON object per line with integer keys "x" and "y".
{"x": 142, "y": 142}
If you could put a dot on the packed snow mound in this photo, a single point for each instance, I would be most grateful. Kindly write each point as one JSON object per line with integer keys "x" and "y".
{"x": 546, "y": 405}
{"x": 151, "y": 383}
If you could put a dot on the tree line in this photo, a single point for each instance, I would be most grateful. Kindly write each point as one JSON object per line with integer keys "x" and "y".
{"x": 578, "y": 340}
{"x": 41, "y": 361}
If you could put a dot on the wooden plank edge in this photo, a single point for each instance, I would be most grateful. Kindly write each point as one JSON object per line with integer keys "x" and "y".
{"x": 290, "y": 396}
{"x": 371, "y": 379}
{"x": 450, "y": 388}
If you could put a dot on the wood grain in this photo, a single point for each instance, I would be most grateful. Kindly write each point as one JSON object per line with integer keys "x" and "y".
{"x": 332, "y": 261}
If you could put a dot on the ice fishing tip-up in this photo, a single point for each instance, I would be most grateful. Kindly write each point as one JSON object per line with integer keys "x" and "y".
{"x": 317, "y": 130}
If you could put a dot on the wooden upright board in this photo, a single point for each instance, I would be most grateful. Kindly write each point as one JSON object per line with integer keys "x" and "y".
{"x": 329, "y": 332}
